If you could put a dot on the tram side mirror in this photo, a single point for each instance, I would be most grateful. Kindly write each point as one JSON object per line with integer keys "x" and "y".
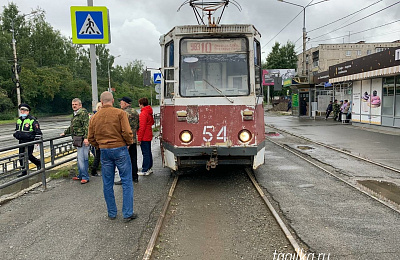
{"x": 147, "y": 78}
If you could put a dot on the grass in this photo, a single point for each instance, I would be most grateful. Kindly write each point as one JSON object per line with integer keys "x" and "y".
{"x": 63, "y": 173}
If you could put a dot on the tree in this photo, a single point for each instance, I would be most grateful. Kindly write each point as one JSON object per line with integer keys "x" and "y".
{"x": 281, "y": 57}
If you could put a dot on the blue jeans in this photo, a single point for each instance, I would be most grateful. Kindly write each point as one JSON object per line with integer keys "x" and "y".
{"x": 147, "y": 156}
{"x": 119, "y": 157}
{"x": 83, "y": 162}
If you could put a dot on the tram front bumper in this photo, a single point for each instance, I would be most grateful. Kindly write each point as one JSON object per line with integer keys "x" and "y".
{"x": 175, "y": 157}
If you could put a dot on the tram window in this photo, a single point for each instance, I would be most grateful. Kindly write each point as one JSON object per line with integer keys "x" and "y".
{"x": 214, "y": 67}
{"x": 169, "y": 54}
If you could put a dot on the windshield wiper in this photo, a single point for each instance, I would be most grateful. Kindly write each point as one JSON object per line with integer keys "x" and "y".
{"x": 218, "y": 90}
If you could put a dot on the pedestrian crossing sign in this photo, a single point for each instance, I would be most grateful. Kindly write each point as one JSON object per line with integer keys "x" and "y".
{"x": 157, "y": 78}
{"x": 90, "y": 25}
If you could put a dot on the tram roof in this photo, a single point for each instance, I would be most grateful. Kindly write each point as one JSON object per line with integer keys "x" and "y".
{"x": 222, "y": 29}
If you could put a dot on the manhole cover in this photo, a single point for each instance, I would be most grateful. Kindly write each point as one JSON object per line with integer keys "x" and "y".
{"x": 304, "y": 147}
{"x": 386, "y": 189}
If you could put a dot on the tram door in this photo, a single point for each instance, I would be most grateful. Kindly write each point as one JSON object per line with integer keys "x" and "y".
{"x": 303, "y": 104}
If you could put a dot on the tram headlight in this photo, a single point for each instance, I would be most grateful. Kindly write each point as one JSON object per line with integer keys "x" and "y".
{"x": 186, "y": 136}
{"x": 244, "y": 136}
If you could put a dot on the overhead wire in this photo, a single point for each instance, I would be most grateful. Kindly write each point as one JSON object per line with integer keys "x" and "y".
{"x": 345, "y": 17}
{"x": 357, "y": 32}
{"x": 285, "y": 26}
{"x": 365, "y": 17}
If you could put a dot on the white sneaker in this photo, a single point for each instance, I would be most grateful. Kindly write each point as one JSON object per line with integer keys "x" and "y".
{"x": 149, "y": 171}
{"x": 141, "y": 173}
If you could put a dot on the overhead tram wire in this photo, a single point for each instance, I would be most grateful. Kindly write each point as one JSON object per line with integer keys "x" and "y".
{"x": 282, "y": 29}
{"x": 365, "y": 17}
{"x": 356, "y": 32}
{"x": 345, "y": 16}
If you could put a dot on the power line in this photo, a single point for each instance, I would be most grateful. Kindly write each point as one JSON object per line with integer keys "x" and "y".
{"x": 345, "y": 16}
{"x": 282, "y": 29}
{"x": 357, "y": 20}
{"x": 287, "y": 25}
{"x": 357, "y": 32}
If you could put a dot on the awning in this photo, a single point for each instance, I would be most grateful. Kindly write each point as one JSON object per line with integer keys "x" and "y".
{"x": 369, "y": 74}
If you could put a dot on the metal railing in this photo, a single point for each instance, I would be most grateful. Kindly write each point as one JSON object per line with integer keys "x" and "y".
{"x": 53, "y": 149}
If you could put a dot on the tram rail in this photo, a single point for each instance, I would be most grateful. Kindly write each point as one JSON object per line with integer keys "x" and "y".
{"x": 331, "y": 173}
{"x": 336, "y": 149}
{"x": 285, "y": 229}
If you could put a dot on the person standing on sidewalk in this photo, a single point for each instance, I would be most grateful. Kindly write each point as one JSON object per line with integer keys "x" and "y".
{"x": 336, "y": 110}
{"x": 133, "y": 117}
{"x": 329, "y": 110}
{"x": 110, "y": 131}
{"x": 27, "y": 130}
{"x": 95, "y": 151}
{"x": 145, "y": 135}
{"x": 79, "y": 131}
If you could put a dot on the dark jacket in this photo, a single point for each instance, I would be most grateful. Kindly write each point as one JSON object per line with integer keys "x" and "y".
{"x": 329, "y": 108}
{"x": 28, "y": 129}
{"x": 133, "y": 118}
{"x": 146, "y": 121}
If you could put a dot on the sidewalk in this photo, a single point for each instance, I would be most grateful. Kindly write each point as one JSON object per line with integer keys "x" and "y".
{"x": 69, "y": 220}
{"x": 381, "y": 145}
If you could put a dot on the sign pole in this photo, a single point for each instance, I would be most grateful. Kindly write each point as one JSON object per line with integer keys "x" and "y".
{"x": 93, "y": 70}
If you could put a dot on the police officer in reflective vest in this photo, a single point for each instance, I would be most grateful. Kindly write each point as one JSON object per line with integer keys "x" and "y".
{"x": 27, "y": 130}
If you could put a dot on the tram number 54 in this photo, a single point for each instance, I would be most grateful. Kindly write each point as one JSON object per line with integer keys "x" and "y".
{"x": 208, "y": 133}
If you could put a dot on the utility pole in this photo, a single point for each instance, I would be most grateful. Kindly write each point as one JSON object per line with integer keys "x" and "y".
{"x": 93, "y": 70}
{"x": 304, "y": 29}
{"x": 16, "y": 67}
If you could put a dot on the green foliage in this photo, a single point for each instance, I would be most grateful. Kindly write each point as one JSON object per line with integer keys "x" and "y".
{"x": 54, "y": 70}
{"x": 62, "y": 173}
{"x": 282, "y": 57}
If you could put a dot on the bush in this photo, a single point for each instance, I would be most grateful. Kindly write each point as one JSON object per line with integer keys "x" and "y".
{"x": 8, "y": 115}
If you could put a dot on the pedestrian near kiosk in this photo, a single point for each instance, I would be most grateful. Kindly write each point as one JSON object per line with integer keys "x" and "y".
{"x": 336, "y": 110}
{"x": 329, "y": 110}
{"x": 133, "y": 117}
{"x": 145, "y": 135}
{"x": 110, "y": 131}
{"x": 289, "y": 105}
{"x": 27, "y": 130}
{"x": 79, "y": 131}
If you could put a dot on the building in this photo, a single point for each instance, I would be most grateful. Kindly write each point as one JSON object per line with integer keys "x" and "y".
{"x": 374, "y": 87}
{"x": 320, "y": 58}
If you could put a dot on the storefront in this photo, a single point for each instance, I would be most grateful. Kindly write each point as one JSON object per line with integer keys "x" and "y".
{"x": 375, "y": 87}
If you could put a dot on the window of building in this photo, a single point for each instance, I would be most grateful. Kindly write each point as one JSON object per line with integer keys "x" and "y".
{"x": 348, "y": 53}
{"x": 369, "y": 52}
{"x": 380, "y": 49}
{"x": 358, "y": 52}
{"x": 388, "y": 96}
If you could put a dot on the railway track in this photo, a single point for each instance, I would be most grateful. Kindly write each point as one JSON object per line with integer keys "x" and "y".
{"x": 351, "y": 180}
{"x": 152, "y": 244}
{"x": 337, "y": 150}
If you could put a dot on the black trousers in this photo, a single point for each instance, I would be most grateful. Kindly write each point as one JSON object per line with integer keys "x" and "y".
{"x": 96, "y": 161}
{"x": 31, "y": 158}
{"x": 133, "y": 155}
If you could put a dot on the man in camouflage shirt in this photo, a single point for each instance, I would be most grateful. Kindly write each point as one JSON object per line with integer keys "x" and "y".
{"x": 79, "y": 127}
{"x": 133, "y": 118}
{"x": 336, "y": 110}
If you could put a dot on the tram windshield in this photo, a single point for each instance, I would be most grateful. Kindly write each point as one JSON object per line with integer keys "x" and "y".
{"x": 214, "y": 67}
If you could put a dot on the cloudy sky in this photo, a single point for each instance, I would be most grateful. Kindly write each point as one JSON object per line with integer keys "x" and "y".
{"x": 136, "y": 25}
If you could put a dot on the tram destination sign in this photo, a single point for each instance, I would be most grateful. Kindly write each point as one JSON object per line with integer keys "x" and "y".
{"x": 213, "y": 46}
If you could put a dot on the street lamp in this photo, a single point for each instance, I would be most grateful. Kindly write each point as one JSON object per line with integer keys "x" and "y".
{"x": 109, "y": 76}
{"x": 304, "y": 29}
{"x": 16, "y": 67}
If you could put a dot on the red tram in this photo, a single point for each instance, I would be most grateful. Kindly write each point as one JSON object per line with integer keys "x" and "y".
{"x": 211, "y": 98}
